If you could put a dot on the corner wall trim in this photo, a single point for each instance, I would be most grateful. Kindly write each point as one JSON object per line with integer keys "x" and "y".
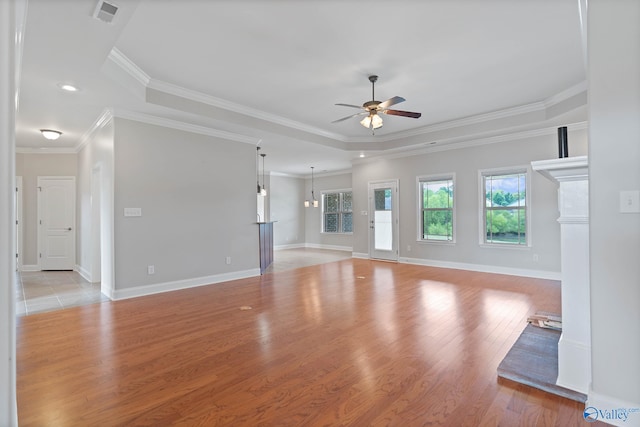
{"x": 156, "y": 288}
{"x": 83, "y": 272}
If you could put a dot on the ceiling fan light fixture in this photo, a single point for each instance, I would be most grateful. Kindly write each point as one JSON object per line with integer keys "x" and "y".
{"x": 376, "y": 121}
{"x": 51, "y": 134}
{"x": 366, "y": 122}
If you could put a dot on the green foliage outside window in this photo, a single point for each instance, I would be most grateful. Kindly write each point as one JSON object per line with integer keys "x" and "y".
{"x": 336, "y": 210}
{"x": 505, "y": 208}
{"x": 437, "y": 210}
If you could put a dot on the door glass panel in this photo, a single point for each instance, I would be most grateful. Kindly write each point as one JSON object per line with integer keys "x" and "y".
{"x": 383, "y": 225}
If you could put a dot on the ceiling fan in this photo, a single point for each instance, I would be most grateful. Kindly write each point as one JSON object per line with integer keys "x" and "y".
{"x": 371, "y": 109}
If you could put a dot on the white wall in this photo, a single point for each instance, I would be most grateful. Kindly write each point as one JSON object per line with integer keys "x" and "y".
{"x": 614, "y": 165}
{"x": 12, "y": 17}
{"x": 313, "y": 216}
{"x": 97, "y": 154}
{"x": 465, "y": 163}
{"x": 286, "y": 198}
{"x": 30, "y": 166}
{"x": 197, "y": 195}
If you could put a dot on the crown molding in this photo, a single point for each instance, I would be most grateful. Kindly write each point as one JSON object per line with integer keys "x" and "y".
{"x": 46, "y": 150}
{"x": 130, "y": 67}
{"x": 467, "y": 141}
{"x": 237, "y": 108}
{"x": 104, "y": 119}
{"x": 566, "y": 94}
{"x": 183, "y": 126}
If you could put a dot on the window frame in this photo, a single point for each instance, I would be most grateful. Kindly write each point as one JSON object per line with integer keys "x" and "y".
{"x": 340, "y": 213}
{"x": 420, "y": 207}
{"x": 482, "y": 217}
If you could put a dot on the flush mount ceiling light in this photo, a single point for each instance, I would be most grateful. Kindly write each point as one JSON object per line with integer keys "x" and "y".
{"x": 51, "y": 134}
{"x": 68, "y": 87}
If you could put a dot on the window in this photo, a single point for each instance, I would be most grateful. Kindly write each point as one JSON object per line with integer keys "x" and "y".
{"x": 505, "y": 207}
{"x": 435, "y": 196}
{"x": 337, "y": 216}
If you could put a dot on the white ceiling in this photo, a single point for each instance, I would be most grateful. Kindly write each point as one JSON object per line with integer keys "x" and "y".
{"x": 274, "y": 69}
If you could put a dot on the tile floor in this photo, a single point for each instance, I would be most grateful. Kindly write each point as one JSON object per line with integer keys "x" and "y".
{"x": 40, "y": 291}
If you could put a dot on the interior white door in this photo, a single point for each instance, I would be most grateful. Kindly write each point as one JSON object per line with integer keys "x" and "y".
{"x": 383, "y": 220}
{"x": 56, "y": 222}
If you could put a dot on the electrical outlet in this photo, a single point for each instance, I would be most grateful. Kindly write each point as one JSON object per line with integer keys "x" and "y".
{"x": 408, "y": 248}
{"x": 228, "y": 260}
{"x": 630, "y": 201}
{"x": 151, "y": 269}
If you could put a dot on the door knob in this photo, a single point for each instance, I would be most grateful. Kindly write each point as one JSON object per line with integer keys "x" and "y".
{"x": 69, "y": 229}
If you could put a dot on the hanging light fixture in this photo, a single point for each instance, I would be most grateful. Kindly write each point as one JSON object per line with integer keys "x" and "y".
{"x": 263, "y": 192}
{"x": 258, "y": 169}
{"x": 373, "y": 121}
{"x": 308, "y": 203}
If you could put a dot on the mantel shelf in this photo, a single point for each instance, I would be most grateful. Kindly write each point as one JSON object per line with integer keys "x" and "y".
{"x": 563, "y": 169}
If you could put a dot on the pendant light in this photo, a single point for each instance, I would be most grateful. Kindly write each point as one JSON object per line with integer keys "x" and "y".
{"x": 263, "y": 192}
{"x": 313, "y": 200}
{"x": 258, "y": 170}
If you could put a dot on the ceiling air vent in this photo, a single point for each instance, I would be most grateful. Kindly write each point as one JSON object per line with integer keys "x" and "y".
{"x": 105, "y": 11}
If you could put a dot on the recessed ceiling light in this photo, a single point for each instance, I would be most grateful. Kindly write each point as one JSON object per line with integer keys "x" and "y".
{"x": 51, "y": 134}
{"x": 361, "y": 154}
{"x": 67, "y": 87}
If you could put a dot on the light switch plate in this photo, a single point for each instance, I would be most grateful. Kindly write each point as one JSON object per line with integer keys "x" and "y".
{"x": 630, "y": 201}
{"x": 132, "y": 211}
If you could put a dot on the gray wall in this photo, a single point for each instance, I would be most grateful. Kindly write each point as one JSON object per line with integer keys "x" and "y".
{"x": 197, "y": 195}
{"x": 96, "y": 155}
{"x": 465, "y": 163}
{"x": 313, "y": 216}
{"x": 614, "y": 165}
{"x": 30, "y": 166}
{"x": 286, "y": 198}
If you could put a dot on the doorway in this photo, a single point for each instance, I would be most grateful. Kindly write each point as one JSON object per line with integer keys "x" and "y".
{"x": 383, "y": 222}
{"x": 56, "y": 222}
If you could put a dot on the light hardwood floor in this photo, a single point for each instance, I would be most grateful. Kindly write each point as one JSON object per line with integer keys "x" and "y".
{"x": 352, "y": 342}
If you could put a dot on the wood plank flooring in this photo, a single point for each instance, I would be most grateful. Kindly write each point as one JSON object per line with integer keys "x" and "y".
{"x": 352, "y": 342}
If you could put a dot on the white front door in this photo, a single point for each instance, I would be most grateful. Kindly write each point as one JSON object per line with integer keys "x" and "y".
{"x": 56, "y": 222}
{"x": 383, "y": 220}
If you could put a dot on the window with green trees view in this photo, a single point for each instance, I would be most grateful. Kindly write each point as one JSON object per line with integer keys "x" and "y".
{"x": 436, "y": 199}
{"x": 505, "y": 208}
{"x": 337, "y": 216}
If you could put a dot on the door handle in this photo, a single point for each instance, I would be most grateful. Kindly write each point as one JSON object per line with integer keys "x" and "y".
{"x": 69, "y": 229}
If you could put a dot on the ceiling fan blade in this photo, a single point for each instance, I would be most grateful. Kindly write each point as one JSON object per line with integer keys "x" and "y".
{"x": 350, "y": 105}
{"x": 389, "y": 102}
{"x": 403, "y": 113}
{"x": 348, "y": 117}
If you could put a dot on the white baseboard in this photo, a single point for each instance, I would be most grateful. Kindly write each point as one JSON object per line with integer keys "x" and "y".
{"x": 313, "y": 246}
{"x": 156, "y": 288}
{"x": 329, "y": 247}
{"x": 30, "y": 267}
{"x": 291, "y": 246}
{"x": 538, "y": 274}
{"x": 612, "y": 410}
{"x": 360, "y": 255}
{"x": 86, "y": 275}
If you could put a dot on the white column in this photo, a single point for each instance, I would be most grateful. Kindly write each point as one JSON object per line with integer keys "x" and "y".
{"x": 574, "y": 348}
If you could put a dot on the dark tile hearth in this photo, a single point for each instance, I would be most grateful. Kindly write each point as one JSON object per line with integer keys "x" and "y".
{"x": 533, "y": 361}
